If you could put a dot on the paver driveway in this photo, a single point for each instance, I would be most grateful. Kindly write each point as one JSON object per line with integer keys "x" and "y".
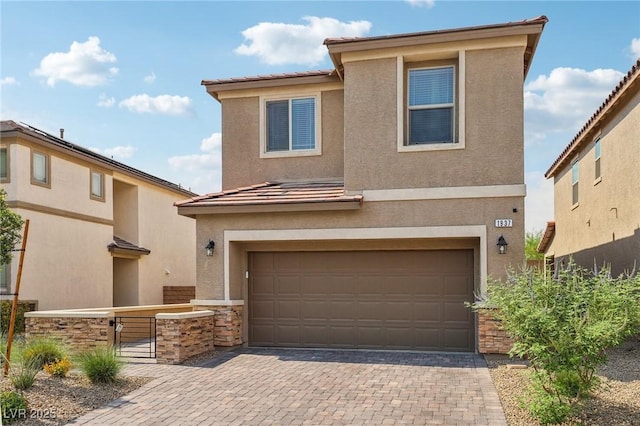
{"x": 317, "y": 387}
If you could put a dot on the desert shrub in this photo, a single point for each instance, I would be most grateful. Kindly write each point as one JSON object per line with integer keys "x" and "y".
{"x": 100, "y": 365}
{"x": 58, "y": 368}
{"x": 42, "y": 350}
{"x": 23, "y": 374}
{"x": 13, "y": 405}
{"x": 564, "y": 326}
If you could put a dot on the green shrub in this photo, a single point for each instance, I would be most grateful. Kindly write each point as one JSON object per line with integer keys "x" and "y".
{"x": 42, "y": 350}
{"x": 13, "y": 405}
{"x": 564, "y": 326}
{"x": 100, "y": 365}
{"x": 23, "y": 374}
{"x": 5, "y": 316}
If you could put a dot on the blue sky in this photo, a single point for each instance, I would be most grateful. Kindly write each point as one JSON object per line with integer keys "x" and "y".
{"x": 123, "y": 77}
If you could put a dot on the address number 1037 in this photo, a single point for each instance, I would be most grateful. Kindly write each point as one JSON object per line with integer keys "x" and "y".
{"x": 504, "y": 223}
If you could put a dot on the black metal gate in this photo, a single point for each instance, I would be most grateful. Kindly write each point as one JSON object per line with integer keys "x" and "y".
{"x": 135, "y": 337}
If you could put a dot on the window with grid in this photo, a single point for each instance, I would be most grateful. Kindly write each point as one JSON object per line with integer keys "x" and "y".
{"x": 574, "y": 182}
{"x": 597, "y": 152}
{"x": 4, "y": 278}
{"x": 431, "y": 105}
{"x": 291, "y": 124}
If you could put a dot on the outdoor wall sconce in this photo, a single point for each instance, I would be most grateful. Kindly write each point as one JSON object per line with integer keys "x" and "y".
{"x": 502, "y": 245}
{"x": 210, "y": 247}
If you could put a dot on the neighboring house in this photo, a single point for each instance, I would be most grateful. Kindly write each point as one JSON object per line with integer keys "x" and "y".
{"x": 101, "y": 233}
{"x": 360, "y": 205}
{"x": 596, "y": 185}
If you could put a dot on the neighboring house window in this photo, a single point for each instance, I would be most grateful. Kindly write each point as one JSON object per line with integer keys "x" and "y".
{"x": 574, "y": 182}
{"x": 40, "y": 169}
{"x": 5, "y": 281}
{"x": 597, "y": 150}
{"x": 97, "y": 186}
{"x": 431, "y": 107}
{"x": 4, "y": 164}
{"x": 291, "y": 124}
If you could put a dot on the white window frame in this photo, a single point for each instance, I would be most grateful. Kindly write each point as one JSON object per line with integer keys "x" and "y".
{"x": 47, "y": 165}
{"x": 92, "y": 195}
{"x": 575, "y": 183}
{"x": 459, "y": 107}
{"x": 291, "y": 152}
{"x": 6, "y": 271}
{"x": 597, "y": 164}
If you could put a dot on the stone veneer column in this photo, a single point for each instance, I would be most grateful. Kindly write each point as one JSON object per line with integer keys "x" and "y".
{"x": 492, "y": 339}
{"x": 227, "y": 322}
{"x": 180, "y": 336}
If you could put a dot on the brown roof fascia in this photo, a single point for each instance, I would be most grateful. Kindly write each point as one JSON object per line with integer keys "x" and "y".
{"x": 531, "y": 27}
{"x": 214, "y": 87}
{"x": 547, "y": 237}
{"x": 624, "y": 90}
{"x": 319, "y": 205}
{"x": 12, "y": 129}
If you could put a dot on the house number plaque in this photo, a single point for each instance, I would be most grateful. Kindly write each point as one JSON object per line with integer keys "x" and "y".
{"x": 504, "y": 223}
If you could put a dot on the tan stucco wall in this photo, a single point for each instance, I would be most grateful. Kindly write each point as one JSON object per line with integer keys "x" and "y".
{"x": 242, "y": 165}
{"x": 66, "y": 264}
{"x": 210, "y": 270}
{"x": 608, "y": 211}
{"x": 494, "y": 150}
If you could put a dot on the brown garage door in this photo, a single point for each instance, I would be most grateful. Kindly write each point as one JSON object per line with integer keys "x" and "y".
{"x": 365, "y": 299}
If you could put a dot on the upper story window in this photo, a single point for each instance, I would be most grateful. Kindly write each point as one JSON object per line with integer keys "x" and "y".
{"x": 574, "y": 182}
{"x": 97, "y": 185}
{"x": 5, "y": 280}
{"x": 290, "y": 127}
{"x": 431, "y": 107}
{"x": 40, "y": 169}
{"x": 597, "y": 165}
{"x": 4, "y": 164}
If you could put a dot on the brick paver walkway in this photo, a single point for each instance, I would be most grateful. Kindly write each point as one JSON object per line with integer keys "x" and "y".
{"x": 310, "y": 387}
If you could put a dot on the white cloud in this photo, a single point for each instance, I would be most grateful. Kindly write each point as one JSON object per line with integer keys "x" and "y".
{"x": 163, "y": 104}
{"x": 635, "y": 48}
{"x": 149, "y": 79}
{"x": 538, "y": 202}
{"x": 8, "y": 81}
{"x": 85, "y": 64}
{"x": 202, "y": 171}
{"x": 278, "y": 43}
{"x": 117, "y": 152}
{"x": 106, "y": 102}
{"x": 422, "y": 3}
{"x": 564, "y": 100}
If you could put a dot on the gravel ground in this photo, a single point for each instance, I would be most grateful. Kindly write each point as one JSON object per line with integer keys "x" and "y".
{"x": 616, "y": 402}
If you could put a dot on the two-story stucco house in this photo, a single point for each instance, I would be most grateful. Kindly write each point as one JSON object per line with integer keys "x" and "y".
{"x": 596, "y": 183}
{"x": 101, "y": 233}
{"x": 360, "y": 204}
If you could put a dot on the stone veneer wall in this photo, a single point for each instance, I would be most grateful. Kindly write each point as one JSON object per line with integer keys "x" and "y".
{"x": 492, "y": 339}
{"x": 79, "y": 333}
{"x": 227, "y": 324}
{"x": 181, "y": 336}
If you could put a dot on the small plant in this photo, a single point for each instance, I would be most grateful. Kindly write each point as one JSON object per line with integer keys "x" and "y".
{"x": 42, "y": 351}
{"x": 58, "y": 368}
{"x": 13, "y": 405}
{"x": 23, "y": 376}
{"x": 100, "y": 365}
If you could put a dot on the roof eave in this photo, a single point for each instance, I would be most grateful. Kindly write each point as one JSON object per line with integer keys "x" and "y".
{"x": 346, "y": 204}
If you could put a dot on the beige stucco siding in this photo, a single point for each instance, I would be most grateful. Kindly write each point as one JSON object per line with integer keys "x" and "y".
{"x": 66, "y": 264}
{"x": 242, "y": 165}
{"x": 608, "y": 210}
{"x": 434, "y": 213}
{"x": 493, "y": 152}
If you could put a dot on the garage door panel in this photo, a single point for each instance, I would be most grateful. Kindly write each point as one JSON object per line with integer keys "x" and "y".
{"x": 391, "y": 299}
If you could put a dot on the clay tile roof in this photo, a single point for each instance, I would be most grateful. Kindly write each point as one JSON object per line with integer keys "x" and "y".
{"x": 549, "y": 232}
{"x": 315, "y": 73}
{"x": 631, "y": 78}
{"x": 122, "y": 245}
{"x": 270, "y": 193}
